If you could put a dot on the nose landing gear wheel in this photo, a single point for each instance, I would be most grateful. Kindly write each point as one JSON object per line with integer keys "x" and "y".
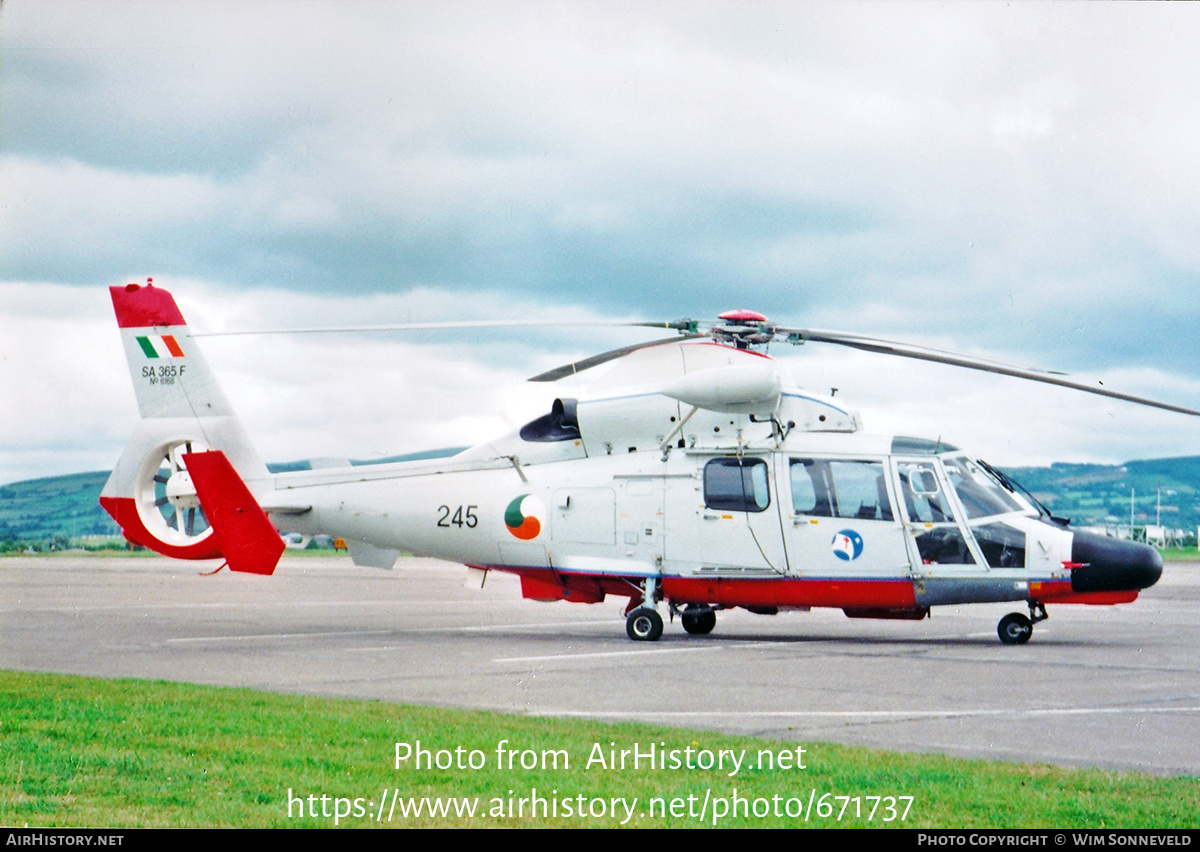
{"x": 1015, "y": 629}
{"x": 644, "y": 625}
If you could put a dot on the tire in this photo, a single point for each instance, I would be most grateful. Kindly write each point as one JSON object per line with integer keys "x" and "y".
{"x": 1015, "y": 629}
{"x": 644, "y": 625}
{"x": 698, "y": 623}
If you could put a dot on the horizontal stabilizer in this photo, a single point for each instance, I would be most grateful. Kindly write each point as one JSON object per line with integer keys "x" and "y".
{"x": 247, "y": 539}
{"x": 370, "y": 556}
{"x": 288, "y": 510}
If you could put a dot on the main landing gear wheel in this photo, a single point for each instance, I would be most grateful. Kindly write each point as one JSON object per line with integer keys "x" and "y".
{"x": 698, "y": 620}
{"x": 1015, "y": 629}
{"x": 644, "y": 625}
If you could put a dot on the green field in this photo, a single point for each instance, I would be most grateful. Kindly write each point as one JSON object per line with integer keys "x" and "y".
{"x": 118, "y": 754}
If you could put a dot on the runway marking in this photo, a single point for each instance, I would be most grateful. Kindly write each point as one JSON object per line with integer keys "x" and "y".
{"x": 396, "y": 631}
{"x": 591, "y": 655}
{"x": 597, "y": 654}
{"x": 184, "y": 640}
{"x": 860, "y": 714}
{"x": 441, "y": 604}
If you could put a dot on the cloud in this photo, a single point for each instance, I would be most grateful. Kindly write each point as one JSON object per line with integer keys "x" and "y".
{"x": 64, "y": 407}
{"x": 1014, "y": 180}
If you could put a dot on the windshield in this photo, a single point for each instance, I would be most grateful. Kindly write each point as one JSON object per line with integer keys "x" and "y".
{"x": 981, "y": 492}
{"x": 1020, "y": 491}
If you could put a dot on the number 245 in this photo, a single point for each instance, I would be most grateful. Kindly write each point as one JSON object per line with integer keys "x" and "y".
{"x": 462, "y": 517}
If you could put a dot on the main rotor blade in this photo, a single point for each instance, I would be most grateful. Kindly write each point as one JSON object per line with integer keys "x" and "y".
{"x": 690, "y": 329}
{"x": 427, "y": 326}
{"x": 604, "y": 357}
{"x": 967, "y": 362}
{"x": 689, "y": 326}
{"x": 799, "y": 335}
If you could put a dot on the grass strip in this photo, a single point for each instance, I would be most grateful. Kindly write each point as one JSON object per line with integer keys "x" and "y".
{"x": 78, "y": 752}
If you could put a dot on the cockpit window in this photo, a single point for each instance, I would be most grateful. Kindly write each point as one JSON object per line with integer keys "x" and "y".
{"x": 981, "y": 496}
{"x": 836, "y": 488}
{"x": 738, "y": 485}
{"x": 1003, "y": 545}
{"x": 924, "y": 500}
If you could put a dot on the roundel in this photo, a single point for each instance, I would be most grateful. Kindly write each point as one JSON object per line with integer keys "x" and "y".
{"x": 523, "y": 517}
{"x": 847, "y": 545}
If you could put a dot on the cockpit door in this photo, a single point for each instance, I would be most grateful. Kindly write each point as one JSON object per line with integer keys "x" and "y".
{"x": 938, "y": 540}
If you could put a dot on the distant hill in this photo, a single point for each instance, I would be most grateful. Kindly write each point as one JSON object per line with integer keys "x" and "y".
{"x": 41, "y": 510}
{"x": 1099, "y": 494}
{"x": 1088, "y": 494}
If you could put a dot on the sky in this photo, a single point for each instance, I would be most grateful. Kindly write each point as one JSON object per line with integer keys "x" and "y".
{"x": 1016, "y": 181}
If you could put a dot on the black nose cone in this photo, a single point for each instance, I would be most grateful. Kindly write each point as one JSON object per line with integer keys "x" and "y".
{"x": 1113, "y": 565}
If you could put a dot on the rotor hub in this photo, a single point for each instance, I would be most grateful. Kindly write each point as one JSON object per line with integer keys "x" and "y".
{"x": 743, "y": 328}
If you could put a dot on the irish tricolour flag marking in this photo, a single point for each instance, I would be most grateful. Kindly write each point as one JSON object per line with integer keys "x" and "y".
{"x": 160, "y": 346}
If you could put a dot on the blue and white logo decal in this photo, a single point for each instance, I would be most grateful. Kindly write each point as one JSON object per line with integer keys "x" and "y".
{"x": 847, "y": 544}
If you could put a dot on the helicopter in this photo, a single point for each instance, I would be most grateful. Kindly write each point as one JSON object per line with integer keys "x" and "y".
{"x": 695, "y": 476}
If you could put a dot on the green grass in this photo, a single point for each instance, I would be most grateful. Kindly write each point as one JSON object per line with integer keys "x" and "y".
{"x": 121, "y": 753}
{"x": 1176, "y": 554}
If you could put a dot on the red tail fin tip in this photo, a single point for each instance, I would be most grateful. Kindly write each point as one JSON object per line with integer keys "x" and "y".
{"x": 140, "y": 306}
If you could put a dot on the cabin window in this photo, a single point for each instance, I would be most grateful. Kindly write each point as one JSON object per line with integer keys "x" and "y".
{"x": 739, "y": 485}
{"x": 837, "y": 488}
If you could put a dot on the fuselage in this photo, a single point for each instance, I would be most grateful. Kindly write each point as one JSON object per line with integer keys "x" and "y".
{"x": 875, "y": 525}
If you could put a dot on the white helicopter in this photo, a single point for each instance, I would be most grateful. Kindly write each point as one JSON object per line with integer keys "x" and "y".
{"x": 693, "y": 478}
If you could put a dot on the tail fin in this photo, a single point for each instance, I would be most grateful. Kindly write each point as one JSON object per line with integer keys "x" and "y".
{"x": 150, "y": 493}
{"x": 245, "y": 535}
